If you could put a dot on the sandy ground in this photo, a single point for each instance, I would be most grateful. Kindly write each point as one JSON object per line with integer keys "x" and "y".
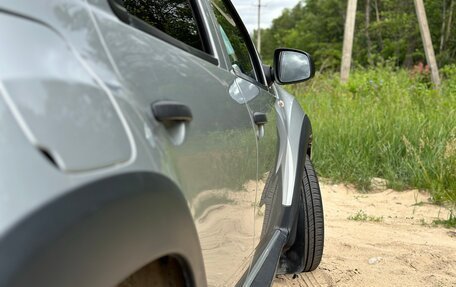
{"x": 403, "y": 249}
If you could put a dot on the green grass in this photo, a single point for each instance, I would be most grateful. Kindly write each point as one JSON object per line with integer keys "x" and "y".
{"x": 362, "y": 216}
{"x": 448, "y": 223}
{"x": 384, "y": 123}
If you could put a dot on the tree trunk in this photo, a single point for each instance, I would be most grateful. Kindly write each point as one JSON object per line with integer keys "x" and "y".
{"x": 377, "y": 11}
{"x": 369, "y": 44}
{"x": 442, "y": 29}
{"x": 377, "y": 17}
{"x": 348, "y": 40}
{"x": 450, "y": 18}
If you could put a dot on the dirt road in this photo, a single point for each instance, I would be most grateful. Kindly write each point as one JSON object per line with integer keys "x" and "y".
{"x": 395, "y": 244}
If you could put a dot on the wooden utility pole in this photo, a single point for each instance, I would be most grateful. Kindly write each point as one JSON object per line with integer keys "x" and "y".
{"x": 259, "y": 28}
{"x": 348, "y": 40}
{"x": 427, "y": 41}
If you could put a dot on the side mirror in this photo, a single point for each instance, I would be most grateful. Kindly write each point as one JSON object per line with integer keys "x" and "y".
{"x": 292, "y": 66}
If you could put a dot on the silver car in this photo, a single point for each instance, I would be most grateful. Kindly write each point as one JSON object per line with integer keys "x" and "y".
{"x": 144, "y": 143}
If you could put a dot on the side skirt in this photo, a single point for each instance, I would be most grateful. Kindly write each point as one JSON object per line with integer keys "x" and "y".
{"x": 262, "y": 273}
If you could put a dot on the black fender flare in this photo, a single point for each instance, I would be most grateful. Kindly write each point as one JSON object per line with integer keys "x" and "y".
{"x": 100, "y": 233}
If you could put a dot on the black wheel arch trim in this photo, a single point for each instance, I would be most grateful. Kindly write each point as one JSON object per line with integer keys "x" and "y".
{"x": 100, "y": 233}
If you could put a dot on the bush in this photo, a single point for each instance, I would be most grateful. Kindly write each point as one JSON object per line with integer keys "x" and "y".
{"x": 384, "y": 123}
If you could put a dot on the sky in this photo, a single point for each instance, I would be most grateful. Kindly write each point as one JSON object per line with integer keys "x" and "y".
{"x": 270, "y": 9}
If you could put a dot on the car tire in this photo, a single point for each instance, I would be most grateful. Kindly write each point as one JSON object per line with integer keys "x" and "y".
{"x": 164, "y": 272}
{"x": 310, "y": 220}
{"x": 268, "y": 198}
{"x": 306, "y": 252}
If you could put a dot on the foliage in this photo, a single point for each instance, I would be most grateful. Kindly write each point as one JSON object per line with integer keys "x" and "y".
{"x": 237, "y": 50}
{"x": 173, "y": 17}
{"x": 389, "y": 33}
{"x": 384, "y": 123}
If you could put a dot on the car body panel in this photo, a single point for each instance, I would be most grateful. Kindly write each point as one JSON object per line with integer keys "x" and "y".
{"x": 217, "y": 159}
{"x": 57, "y": 101}
{"x": 102, "y": 237}
{"x": 292, "y": 118}
{"x": 214, "y": 162}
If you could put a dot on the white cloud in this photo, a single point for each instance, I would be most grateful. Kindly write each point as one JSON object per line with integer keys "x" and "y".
{"x": 270, "y": 10}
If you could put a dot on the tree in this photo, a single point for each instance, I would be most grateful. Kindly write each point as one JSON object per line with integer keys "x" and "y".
{"x": 391, "y": 33}
{"x": 174, "y": 17}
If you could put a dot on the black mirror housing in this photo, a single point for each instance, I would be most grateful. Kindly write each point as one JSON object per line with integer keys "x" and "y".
{"x": 269, "y": 74}
{"x": 292, "y": 66}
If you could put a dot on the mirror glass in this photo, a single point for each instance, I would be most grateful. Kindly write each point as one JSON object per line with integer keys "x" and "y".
{"x": 294, "y": 66}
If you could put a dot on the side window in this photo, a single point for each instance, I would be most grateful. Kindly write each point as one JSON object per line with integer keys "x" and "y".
{"x": 173, "y": 17}
{"x": 233, "y": 39}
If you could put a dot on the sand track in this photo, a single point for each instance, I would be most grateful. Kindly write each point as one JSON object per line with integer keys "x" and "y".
{"x": 403, "y": 249}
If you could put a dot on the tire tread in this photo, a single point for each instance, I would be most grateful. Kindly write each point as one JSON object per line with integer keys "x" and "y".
{"x": 314, "y": 221}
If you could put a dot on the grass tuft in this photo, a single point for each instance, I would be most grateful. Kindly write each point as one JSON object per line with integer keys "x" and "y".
{"x": 362, "y": 216}
{"x": 448, "y": 223}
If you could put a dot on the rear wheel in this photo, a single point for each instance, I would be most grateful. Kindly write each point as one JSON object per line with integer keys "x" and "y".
{"x": 164, "y": 272}
{"x": 310, "y": 220}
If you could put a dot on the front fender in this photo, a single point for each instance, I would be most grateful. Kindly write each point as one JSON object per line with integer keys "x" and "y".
{"x": 298, "y": 129}
{"x": 102, "y": 232}
{"x": 295, "y": 132}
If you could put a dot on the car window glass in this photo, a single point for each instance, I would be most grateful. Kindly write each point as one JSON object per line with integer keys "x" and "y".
{"x": 174, "y": 17}
{"x": 234, "y": 41}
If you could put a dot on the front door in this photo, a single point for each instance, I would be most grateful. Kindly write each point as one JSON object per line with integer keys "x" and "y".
{"x": 214, "y": 157}
{"x": 260, "y": 101}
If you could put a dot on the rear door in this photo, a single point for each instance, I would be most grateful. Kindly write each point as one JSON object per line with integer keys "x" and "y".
{"x": 164, "y": 54}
